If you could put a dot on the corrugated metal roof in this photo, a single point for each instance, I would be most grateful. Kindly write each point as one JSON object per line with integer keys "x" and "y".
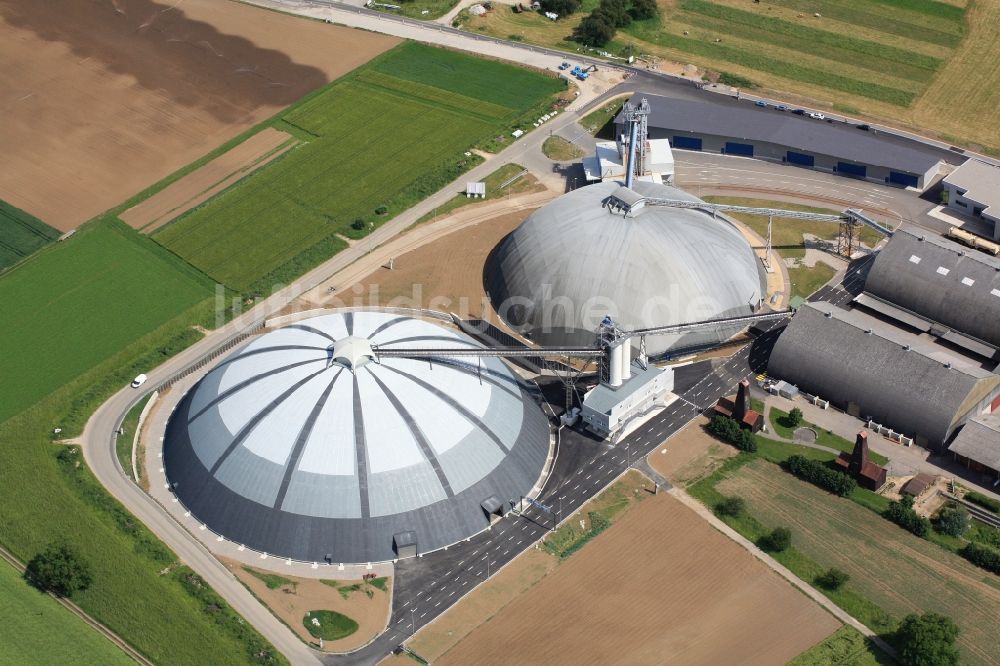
{"x": 847, "y": 356}
{"x": 979, "y": 440}
{"x": 941, "y": 281}
{"x": 731, "y": 118}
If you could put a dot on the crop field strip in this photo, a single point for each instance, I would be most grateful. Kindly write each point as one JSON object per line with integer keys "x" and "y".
{"x": 898, "y": 571}
{"x": 70, "y": 308}
{"x": 21, "y": 234}
{"x": 412, "y": 112}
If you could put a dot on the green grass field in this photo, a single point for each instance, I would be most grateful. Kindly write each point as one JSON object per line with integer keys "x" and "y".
{"x": 332, "y": 625}
{"x": 845, "y": 647}
{"x": 387, "y": 135}
{"x": 777, "y": 417}
{"x": 21, "y": 234}
{"x": 37, "y": 630}
{"x": 82, "y": 301}
{"x": 893, "y": 572}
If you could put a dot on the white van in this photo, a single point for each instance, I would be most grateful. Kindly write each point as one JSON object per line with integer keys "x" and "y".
{"x": 139, "y": 381}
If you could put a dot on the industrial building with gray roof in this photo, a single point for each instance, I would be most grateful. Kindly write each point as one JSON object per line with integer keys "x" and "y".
{"x": 930, "y": 282}
{"x": 578, "y": 259}
{"x": 722, "y": 124}
{"x": 978, "y": 444}
{"x": 874, "y": 369}
{"x": 306, "y": 444}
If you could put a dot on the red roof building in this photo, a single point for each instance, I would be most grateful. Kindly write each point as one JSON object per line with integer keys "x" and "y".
{"x": 858, "y": 464}
{"x": 738, "y": 408}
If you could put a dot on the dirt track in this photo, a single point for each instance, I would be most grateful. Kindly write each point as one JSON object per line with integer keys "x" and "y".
{"x": 102, "y": 98}
{"x": 661, "y": 586}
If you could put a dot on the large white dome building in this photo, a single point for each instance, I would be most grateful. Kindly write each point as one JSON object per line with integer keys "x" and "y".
{"x": 303, "y": 444}
{"x": 577, "y": 259}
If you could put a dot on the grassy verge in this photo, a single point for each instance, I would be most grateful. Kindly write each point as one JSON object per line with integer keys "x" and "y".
{"x": 522, "y": 185}
{"x": 779, "y": 422}
{"x": 123, "y": 445}
{"x": 561, "y": 150}
{"x": 807, "y": 280}
{"x": 601, "y": 123}
{"x": 596, "y": 516}
{"x": 271, "y": 580}
{"x": 329, "y": 625}
{"x": 847, "y": 647}
{"x": 28, "y": 615}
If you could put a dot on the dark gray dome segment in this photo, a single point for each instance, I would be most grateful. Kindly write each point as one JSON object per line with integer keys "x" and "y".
{"x": 575, "y": 260}
{"x": 305, "y": 443}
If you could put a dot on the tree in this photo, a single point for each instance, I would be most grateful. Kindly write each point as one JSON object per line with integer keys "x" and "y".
{"x": 901, "y": 512}
{"x": 928, "y": 640}
{"x": 953, "y": 520}
{"x": 358, "y": 224}
{"x": 643, "y": 9}
{"x": 614, "y": 12}
{"x": 561, "y": 7}
{"x": 833, "y": 578}
{"x": 795, "y": 417}
{"x": 594, "y": 30}
{"x": 779, "y": 539}
{"x": 730, "y": 506}
{"x": 60, "y": 569}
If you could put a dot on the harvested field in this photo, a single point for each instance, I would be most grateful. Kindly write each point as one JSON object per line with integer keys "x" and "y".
{"x": 659, "y": 586}
{"x": 691, "y": 454}
{"x": 103, "y": 99}
{"x": 321, "y": 191}
{"x": 208, "y": 180}
{"x": 290, "y": 598}
{"x": 898, "y": 571}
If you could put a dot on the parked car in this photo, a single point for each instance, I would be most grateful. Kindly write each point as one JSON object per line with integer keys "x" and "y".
{"x": 864, "y": 127}
{"x": 816, "y": 116}
{"x": 799, "y": 112}
{"x": 139, "y": 381}
{"x": 565, "y": 65}
{"x": 781, "y": 107}
{"x": 760, "y": 102}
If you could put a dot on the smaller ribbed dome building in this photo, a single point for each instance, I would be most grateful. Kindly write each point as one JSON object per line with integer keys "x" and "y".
{"x": 578, "y": 259}
{"x": 307, "y": 444}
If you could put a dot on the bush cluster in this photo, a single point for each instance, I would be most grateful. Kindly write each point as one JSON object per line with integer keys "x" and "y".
{"x": 982, "y": 556}
{"x": 819, "y": 474}
{"x": 728, "y": 430}
{"x": 735, "y": 80}
{"x": 600, "y": 26}
{"x": 901, "y": 512}
{"x": 952, "y": 520}
{"x": 928, "y": 640}
{"x": 833, "y": 578}
{"x": 730, "y": 506}
{"x": 561, "y": 7}
{"x": 777, "y": 540}
{"x": 983, "y": 501}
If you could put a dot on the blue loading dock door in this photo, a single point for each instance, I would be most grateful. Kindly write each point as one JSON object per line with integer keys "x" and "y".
{"x": 733, "y": 148}
{"x": 687, "y": 143}
{"x": 849, "y": 169}
{"x": 801, "y": 159}
{"x": 904, "y": 179}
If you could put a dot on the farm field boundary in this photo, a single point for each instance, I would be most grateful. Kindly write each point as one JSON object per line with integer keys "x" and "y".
{"x": 324, "y": 191}
{"x": 206, "y": 181}
{"x": 21, "y": 234}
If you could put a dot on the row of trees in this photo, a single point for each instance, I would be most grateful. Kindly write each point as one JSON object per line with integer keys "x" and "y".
{"x": 819, "y": 474}
{"x": 982, "y": 556}
{"x": 901, "y": 512}
{"x": 600, "y": 26}
{"x": 728, "y": 430}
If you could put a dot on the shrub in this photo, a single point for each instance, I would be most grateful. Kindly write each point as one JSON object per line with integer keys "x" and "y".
{"x": 561, "y": 7}
{"x": 928, "y": 640}
{"x": 59, "y": 569}
{"x": 358, "y": 224}
{"x": 953, "y": 521}
{"x": 381, "y": 210}
{"x": 833, "y": 578}
{"x": 643, "y": 9}
{"x": 594, "y": 30}
{"x": 794, "y": 418}
{"x": 983, "y": 501}
{"x": 730, "y": 506}
{"x": 735, "y": 80}
{"x": 982, "y": 556}
{"x": 902, "y": 513}
{"x": 728, "y": 430}
{"x": 819, "y": 474}
{"x": 779, "y": 539}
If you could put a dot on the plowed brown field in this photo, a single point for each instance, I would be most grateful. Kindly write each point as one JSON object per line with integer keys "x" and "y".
{"x": 660, "y": 586}
{"x": 102, "y": 98}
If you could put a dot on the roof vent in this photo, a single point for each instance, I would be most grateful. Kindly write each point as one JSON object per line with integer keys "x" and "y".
{"x": 869, "y": 331}
{"x": 828, "y": 315}
{"x": 906, "y": 347}
{"x": 947, "y": 364}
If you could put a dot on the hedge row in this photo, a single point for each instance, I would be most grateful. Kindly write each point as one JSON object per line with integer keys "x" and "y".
{"x": 819, "y": 474}
{"x": 981, "y": 556}
{"x": 902, "y": 514}
{"x": 728, "y": 430}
